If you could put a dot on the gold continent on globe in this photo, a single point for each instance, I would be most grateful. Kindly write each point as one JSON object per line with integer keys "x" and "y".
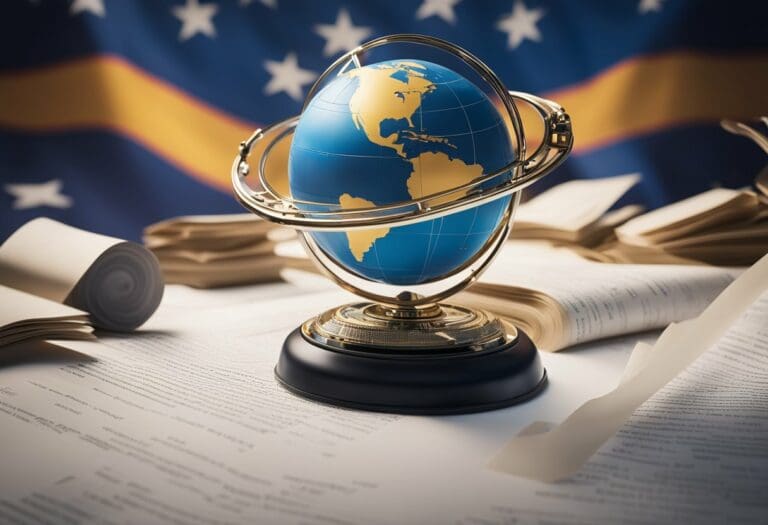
{"x": 393, "y": 132}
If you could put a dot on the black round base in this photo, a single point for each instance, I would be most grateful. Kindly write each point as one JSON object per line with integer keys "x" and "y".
{"x": 403, "y": 383}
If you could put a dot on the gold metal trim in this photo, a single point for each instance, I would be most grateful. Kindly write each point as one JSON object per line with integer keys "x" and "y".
{"x": 448, "y": 328}
{"x": 319, "y": 216}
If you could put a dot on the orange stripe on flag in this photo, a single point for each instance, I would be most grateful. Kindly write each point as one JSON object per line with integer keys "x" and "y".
{"x": 646, "y": 94}
{"x": 108, "y": 92}
{"x": 637, "y": 96}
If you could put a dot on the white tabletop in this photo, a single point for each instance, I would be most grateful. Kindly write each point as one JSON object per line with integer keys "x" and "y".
{"x": 183, "y": 421}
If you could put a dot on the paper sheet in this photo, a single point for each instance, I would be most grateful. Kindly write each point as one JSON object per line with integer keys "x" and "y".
{"x": 117, "y": 282}
{"x": 183, "y": 423}
{"x": 175, "y": 426}
{"x": 562, "y": 451}
{"x": 24, "y": 316}
{"x": 19, "y": 307}
{"x": 575, "y": 204}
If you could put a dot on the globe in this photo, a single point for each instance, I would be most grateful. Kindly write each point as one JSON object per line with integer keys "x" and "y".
{"x": 391, "y": 132}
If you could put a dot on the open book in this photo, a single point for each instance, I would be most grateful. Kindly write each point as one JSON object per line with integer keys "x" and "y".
{"x": 576, "y": 211}
{"x": 721, "y": 226}
{"x": 561, "y": 300}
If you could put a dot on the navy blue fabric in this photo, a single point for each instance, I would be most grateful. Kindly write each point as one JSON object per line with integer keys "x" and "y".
{"x": 118, "y": 186}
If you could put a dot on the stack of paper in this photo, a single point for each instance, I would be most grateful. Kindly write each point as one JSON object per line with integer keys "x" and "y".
{"x": 25, "y": 316}
{"x": 576, "y": 212}
{"x": 720, "y": 226}
{"x": 207, "y": 251}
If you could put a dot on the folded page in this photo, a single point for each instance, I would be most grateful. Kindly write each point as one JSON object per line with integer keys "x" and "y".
{"x": 205, "y": 221}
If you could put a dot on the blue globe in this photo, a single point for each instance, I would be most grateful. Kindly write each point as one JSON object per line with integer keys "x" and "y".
{"x": 391, "y": 132}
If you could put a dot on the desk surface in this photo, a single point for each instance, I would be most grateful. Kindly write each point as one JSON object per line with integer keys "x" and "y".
{"x": 183, "y": 422}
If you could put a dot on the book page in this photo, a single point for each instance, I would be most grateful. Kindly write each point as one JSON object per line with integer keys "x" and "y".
{"x": 692, "y": 213}
{"x": 25, "y": 316}
{"x": 184, "y": 422}
{"x": 575, "y": 204}
{"x": 603, "y": 300}
{"x": 692, "y": 453}
{"x": 178, "y": 223}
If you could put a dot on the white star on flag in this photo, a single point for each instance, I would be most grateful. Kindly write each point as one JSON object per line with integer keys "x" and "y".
{"x": 646, "y": 6}
{"x": 287, "y": 76}
{"x": 41, "y": 194}
{"x": 195, "y": 18}
{"x": 95, "y": 7}
{"x": 439, "y": 8}
{"x": 343, "y": 35}
{"x": 521, "y": 24}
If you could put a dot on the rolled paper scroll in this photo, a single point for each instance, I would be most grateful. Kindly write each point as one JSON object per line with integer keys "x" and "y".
{"x": 117, "y": 282}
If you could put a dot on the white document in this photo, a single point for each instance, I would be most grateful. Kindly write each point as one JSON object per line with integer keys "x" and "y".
{"x": 181, "y": 422}
{"x": 184, "y": 423}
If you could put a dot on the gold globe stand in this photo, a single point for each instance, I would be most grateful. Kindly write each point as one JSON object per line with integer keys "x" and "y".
{"x": 407, "y": 351}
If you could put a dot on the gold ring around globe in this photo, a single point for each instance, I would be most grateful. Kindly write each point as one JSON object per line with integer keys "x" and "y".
{"x": 265, "y": 201}
{"x": 412, "y": 295}
{"x": 328, "y": 216}
{"x": 428, "y": 292}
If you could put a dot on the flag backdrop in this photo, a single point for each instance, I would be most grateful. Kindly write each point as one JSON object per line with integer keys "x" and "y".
{"x": 118, "y": 113}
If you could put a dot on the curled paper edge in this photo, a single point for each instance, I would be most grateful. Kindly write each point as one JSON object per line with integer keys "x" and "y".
{"x": 119, "y": 283}
{"x": 121, "y": 289}
{"x": 558, "y": 453}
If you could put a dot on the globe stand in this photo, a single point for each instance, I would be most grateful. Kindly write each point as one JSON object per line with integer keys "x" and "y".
{"x": 417, "y": 357}
{"x": 427, "y": 359}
